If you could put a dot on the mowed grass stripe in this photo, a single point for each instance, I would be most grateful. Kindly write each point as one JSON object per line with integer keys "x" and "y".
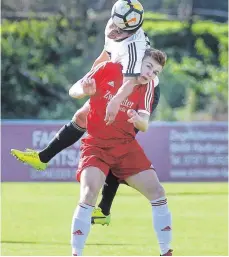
{"x": 36, "y": 219}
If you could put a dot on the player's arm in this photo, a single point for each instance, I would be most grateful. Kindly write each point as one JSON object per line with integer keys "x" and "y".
{"x": 126, "y": 89}
{"x": 113, "y": 106}
{"x": 146, "y": 98}
{"x": 82, "y": 88}
{"x": 103, "y": 57}
{"x": 131, "y": 62}
{"x": 88, "y": 84}
{"x": 140, "y": 120}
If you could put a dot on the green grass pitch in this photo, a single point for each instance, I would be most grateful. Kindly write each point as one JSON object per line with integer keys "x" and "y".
{"x": 36, "y": 219}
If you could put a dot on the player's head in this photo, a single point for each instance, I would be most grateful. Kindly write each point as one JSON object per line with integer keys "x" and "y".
{"x": 152, "y": 64}
{"x": 126, "y": 18}
{"x": 112, "y": 31}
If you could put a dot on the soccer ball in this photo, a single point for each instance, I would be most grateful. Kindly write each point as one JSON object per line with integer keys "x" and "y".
{"x": 127, "y": 14}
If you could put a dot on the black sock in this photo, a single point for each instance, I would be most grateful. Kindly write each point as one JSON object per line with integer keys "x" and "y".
{"x": 66, "y": 136}
{"x": 108, "y": 193}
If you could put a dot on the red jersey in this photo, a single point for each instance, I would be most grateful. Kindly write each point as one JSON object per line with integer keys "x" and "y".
{"x": 109, "y": 79}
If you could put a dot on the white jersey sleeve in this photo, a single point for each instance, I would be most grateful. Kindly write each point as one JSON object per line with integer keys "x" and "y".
{"x": 132, "y": 59}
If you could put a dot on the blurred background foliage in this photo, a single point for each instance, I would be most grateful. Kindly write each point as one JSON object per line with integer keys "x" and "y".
{"x": 48, "y": 45}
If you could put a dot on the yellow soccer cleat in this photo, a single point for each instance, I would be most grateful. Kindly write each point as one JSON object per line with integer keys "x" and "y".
{"x": 99, "y": 218}
{"x": 29, "y": 157}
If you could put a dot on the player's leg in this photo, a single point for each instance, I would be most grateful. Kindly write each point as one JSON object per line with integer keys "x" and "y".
{"x": 101, "y": 215}
{"x": 66, "y": 136}
{"x": 91, "y": 181}
{"x": 109, "y": 191}
{"x": 147, "y": 183}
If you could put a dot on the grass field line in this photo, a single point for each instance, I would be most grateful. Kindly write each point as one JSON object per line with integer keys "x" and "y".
{"x": 36, "y": 221}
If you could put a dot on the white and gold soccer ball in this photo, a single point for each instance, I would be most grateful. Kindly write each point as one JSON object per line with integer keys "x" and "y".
{"x": 127, "y": 14}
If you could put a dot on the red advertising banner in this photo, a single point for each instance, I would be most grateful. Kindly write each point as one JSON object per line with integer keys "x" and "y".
{"x": 195, "y": 151}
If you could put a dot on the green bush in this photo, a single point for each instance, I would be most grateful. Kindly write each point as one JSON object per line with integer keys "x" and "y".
{"x": 197, "y": 65}
{"x": 41, "y": 59}
{"x": 169, "y": 34}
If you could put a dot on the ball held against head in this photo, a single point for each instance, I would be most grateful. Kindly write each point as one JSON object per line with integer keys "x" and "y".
{"x": 127, "y": 14}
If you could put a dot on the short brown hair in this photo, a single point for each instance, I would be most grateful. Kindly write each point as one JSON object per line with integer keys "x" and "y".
{"x": 157, "y": 55}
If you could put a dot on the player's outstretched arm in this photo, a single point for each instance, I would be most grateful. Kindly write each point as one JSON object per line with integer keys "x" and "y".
{"x": 139, "y": 120}
{"x": 82, "y": 88}
{"x": 103, "y": 57}
{"x": 76, "y": 91}
{"x": 124, "y": 91}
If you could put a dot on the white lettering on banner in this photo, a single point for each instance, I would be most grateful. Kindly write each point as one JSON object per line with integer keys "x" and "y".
{"x": 41, "y": 138}
{"x": 208, "y": 148}
{"x": 68, "y": 157}
{"x": 193, "y": 159}
{"x": 198, "y": 135}
{"x": 217, "y": 160}
{"x": 197, "y": 153}
{"x": 175, "y": 160}
{"x": 197, "y": 173}
{"x": 53, "y": 173}
{"x": 180, "y": 147}
{"x": 36, "y": 138}
{"x": 186, "y": 160}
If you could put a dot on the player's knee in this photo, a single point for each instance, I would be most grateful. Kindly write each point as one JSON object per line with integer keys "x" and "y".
{"x": 159, "y": 191}
{"x": 89, "y": 195}
{"x": 155, "y": 192}
{"x": 80, "y": 118}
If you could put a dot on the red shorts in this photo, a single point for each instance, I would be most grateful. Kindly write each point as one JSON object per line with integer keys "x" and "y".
{"x": 123, "y": 160}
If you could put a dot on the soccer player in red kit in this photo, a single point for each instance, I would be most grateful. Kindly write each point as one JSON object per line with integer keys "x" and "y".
{"x": 122, "y": 45}
{"x": 114, "y": 147}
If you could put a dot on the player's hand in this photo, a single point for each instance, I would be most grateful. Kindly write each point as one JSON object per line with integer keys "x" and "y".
{"x": 134, "y": 117}
{"x": 111, "y": 111}
{"x": 89, "y": 86}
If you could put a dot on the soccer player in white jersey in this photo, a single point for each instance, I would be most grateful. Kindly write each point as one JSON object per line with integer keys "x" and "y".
{"x": 128, "y": 51}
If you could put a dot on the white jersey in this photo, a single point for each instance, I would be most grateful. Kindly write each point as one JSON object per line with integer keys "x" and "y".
{"x": 129, "y": 53}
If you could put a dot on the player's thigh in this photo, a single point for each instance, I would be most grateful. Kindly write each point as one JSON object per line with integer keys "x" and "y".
{"x": 91, "y": 181}
{"x": 147, "y": 183}
{"x": 81, "y": 115}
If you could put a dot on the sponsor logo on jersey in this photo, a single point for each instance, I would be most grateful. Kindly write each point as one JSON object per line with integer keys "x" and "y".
{"x": 125, "y": 103}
